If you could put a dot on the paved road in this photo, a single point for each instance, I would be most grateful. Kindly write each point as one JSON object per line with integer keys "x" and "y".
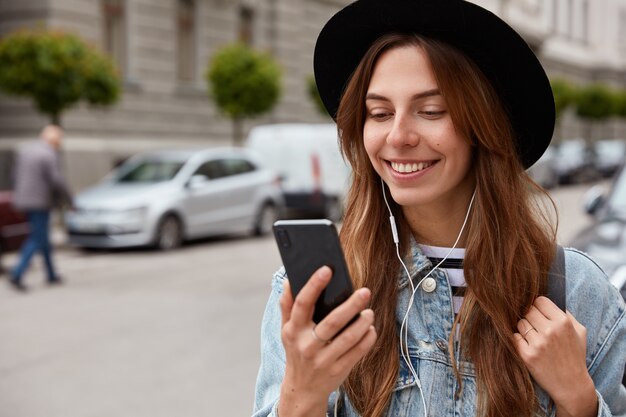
{"x": 147, "y": 334}
{"x": 138, "y": 333}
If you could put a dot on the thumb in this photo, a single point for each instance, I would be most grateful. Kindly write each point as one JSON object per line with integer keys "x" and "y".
{"x": 286, "y": 302}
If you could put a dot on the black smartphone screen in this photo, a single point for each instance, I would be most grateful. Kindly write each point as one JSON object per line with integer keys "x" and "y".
{"x": 307, "y": 245}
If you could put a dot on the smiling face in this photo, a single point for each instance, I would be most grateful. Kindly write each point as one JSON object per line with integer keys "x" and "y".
{"x": 409, "y": 135}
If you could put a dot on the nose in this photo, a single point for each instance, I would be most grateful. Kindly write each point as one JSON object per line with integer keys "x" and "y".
{"x": 403, "y": 131}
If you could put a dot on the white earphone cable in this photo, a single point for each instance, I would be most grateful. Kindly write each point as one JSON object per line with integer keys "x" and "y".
{"x": 404, "y": 334}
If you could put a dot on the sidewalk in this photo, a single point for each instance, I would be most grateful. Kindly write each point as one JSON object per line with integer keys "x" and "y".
{"x": 58, "y": 237}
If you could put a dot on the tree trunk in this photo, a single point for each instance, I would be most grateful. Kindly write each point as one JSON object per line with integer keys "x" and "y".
{"x": 237, "y": 131}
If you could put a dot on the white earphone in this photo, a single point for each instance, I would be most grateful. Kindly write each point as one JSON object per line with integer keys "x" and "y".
{"x": 404, "y": 344}
{"x": 404, "y": 332}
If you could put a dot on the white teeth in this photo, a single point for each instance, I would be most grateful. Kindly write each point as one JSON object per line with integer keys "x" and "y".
{"x": 408, "y": 168}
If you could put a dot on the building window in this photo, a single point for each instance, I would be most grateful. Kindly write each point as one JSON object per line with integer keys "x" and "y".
{"x": 621, "y": 31}
{"x": 186, "y": 50}
{"x": 584, "y": 31}
{"x": 115, "y": 31}
{"x": 569, "y": 30}
{"x": 555, "y": 16}
{"x": 246, "y": 25}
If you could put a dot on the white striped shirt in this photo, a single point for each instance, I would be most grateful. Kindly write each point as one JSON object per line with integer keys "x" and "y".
{"x": 453, "y": 266}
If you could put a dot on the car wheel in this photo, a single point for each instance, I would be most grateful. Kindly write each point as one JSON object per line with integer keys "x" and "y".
{"x": 265, "y": 220}
{"x": 170, "y": 233}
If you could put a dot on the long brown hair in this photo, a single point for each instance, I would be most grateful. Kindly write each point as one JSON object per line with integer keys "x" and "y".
{"x": 509, "y": 241}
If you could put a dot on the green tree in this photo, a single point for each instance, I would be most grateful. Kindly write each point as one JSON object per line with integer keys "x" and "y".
{"x": 619, "y": 107}
{"x": 314, "y": 95}
{"x": 56, "y": 70}
{"x": 594, "y": 103}
{"x": 564, "y": 96}
{"x": 243, "y": 83}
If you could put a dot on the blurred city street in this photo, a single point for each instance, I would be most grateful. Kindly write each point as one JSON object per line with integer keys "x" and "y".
{"x": 144, "y": 333}
{"x": 162, "y": 122}
{"x": 138, "y": 333}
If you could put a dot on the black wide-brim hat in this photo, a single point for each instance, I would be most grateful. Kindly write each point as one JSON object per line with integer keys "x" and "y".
{"x": 500, "y": 52}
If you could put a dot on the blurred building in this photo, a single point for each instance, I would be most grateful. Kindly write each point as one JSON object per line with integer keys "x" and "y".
{"x": 162, "y": 48}
{"x": 583, "y": 41}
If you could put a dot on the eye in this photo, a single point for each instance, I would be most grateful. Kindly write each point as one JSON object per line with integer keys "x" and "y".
{"x": 431, "y": 114}
{"x": 379, "y": 115}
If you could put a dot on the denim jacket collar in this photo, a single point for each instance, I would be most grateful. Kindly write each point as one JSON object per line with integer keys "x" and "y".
{"x": 416, "y": 262}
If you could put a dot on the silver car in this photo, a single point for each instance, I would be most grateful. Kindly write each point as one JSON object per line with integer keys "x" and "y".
{"x": 163, "y": 198}
{"x": 543, "y": 171}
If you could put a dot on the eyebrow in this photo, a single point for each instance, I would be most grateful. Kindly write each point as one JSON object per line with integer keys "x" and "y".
{"x": 424, "y": 94}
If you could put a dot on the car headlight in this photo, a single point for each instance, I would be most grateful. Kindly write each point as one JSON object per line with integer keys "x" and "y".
{"x": 126, "y": 221}
{"x": 132, "y": 215}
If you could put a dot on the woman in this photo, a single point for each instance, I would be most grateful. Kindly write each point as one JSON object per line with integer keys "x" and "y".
{"x": 440, "y": 107}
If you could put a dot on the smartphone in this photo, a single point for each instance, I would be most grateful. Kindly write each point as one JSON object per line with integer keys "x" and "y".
{"x": 307, "y": 245}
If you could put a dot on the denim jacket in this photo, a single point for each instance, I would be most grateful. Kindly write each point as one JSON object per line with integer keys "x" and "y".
{"x": 590, "y": 297}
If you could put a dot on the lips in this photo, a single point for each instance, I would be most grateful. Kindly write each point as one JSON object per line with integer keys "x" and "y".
{"x": 410, "y": 167}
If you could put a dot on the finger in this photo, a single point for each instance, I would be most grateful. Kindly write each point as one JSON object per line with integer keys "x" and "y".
{"x": 351, "y": 357}
{"x": 536, "y": 319}
{"x": 520, "y": 343}
{"x": 548, "y": 308}
{"x": 304, "y": 304}
{"x": 346, "y": 311}
{"x": 317, "y": 338}
{"x": 523, "y": 326}
{"x": 286, "y": 302}
{"x": 526, "y": 329}
{"x": 349, "y": 337}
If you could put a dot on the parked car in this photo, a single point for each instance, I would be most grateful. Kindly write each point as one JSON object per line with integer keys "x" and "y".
{"x": 605, "y": 238}
{"x": 610, "y": 154}
{"x": 314, "y": 174}
{"x": 574, "y": 162}
{"x": 163, "y": 198}
{"x": 13, "y": 225}
{"x": 543, "y": 172}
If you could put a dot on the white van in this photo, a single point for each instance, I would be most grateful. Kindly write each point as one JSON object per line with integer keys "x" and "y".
{"x": 307, "y": 157}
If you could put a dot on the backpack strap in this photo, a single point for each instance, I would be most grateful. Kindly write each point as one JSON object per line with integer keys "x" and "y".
{"x": 556, "y": 279}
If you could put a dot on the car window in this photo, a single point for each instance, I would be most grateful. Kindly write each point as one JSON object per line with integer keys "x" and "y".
{"x": 618, "y": 197}
{"x": 151, "y": 171}
{"x": 211, "y": 169}
{"x": 610, "y": 148}
{"x": 219, "y": 168}
{"x": 235, "y": 166}
{"x": 571, "y": 148}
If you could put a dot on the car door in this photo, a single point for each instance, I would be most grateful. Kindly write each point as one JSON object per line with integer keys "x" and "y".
{"x": 223, "y": 202}
{"x": 243, "y": 181}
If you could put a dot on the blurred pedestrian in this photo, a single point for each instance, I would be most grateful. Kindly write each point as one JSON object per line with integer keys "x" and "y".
{"x": 38, "y": 187}
{"x": 440, "y": 108}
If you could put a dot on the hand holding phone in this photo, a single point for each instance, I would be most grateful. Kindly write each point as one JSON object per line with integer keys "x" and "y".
{"x": 319, "y": 356}
{"x": 307, "y": 245}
